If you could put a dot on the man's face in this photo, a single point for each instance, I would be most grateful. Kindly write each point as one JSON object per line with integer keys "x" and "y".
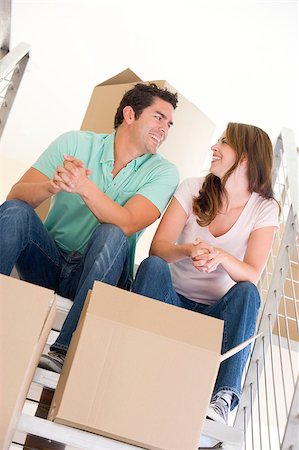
{"x": 151, "y": 128}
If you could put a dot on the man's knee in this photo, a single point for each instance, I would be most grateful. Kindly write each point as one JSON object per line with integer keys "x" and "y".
{"x": 16, "y": 213}
{"x": 110, "y": 236}
{"x": 15, "y": 207}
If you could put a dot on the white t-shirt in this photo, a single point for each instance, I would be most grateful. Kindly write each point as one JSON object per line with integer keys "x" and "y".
{"x": 207, "y": 288}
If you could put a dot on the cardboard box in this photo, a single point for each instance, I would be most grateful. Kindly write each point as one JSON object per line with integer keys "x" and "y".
{"x": 27, "y": 313}
{"x": 139, "y": 371}
{"x": 190, "y": 135}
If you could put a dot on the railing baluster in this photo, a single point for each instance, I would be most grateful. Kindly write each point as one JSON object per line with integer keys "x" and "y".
{"x": 280, "y": 354}
{"x": 273, "y": 378}
{"x": 288, "y": 337}
{"x": 266, "y": 392}
{"x": 259, "y": 403}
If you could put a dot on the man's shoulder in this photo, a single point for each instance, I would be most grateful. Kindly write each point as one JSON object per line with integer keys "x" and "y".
{"x": 159, "y": 162}
{"x": 83, "y": 135}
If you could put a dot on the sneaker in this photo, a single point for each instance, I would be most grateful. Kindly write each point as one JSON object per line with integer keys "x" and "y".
{"x": 53, "y": 361}
{"x": 218, "y": 410}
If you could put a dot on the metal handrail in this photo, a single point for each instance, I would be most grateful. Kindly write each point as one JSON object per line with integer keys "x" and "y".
{"x": 12, "y": 58}
{"x": 12, "y": 69}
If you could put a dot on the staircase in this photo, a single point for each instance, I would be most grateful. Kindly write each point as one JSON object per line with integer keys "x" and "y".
{"x": 268, "y": 414}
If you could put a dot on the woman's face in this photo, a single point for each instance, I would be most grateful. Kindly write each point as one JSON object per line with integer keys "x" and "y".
{"x": 223, "y": 158}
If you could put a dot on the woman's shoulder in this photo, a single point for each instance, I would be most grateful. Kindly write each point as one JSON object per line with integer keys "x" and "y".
{"x": 265, "y": 203}
{"x": 265, "y": 209}
{"x": 185, "y": 193}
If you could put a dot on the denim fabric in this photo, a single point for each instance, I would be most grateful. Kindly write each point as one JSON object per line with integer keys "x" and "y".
{"x": 238, "y": 308}
{"x": 26, "y": 243}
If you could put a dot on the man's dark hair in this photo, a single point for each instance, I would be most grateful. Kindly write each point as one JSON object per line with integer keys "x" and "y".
{"x": 142, "y": 96}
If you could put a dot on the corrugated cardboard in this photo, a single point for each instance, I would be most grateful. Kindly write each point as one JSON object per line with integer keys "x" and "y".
{"x": 26, "y": 315}
{"x": 190, "y": 136}
{"x": 139, "y": 371}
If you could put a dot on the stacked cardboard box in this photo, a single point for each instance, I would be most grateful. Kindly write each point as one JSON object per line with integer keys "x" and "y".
{"x": 26, "y": 316}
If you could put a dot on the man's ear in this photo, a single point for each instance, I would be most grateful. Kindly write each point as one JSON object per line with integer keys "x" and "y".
{"x": 129, "y": 114}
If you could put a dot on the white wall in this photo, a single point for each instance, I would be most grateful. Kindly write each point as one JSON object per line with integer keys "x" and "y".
{"x": 236, "y": 60}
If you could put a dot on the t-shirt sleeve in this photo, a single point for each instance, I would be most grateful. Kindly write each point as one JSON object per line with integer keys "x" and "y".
{"x": 53, "y": 155}
{"x": 268, "y": 215}
{"x": 186, "y": 192}
{"x": 161, "y": 187}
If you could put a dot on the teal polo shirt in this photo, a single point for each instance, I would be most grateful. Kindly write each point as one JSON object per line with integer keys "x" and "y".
{"x": 69, "y": 220}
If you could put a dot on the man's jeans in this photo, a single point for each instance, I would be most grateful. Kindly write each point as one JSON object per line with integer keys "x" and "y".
{"x": 25, "y": 242}
{"x": 238, "y": 308}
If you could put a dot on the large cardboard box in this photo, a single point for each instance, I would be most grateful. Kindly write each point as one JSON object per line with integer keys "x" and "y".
{"x": 139, "y": 371}
{"x": 26, "y": 315}
{"x": 188, "y": 140}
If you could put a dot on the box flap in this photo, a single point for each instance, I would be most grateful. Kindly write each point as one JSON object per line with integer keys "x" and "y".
{"x": 157, "y": 317}
{"x": 239, "y": 347}
{"x": 31, "y": 302}
{"x": 126, "y": 76}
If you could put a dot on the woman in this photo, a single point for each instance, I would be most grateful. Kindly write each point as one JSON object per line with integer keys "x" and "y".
{"x": 212, "y": 244}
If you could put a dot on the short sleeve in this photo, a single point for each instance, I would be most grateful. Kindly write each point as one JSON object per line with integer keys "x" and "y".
{"x": 160, "y": 188}
{"x": 186, "y": 192}
{"x": 268, "y": 214}
{"x": 53, "y": 155}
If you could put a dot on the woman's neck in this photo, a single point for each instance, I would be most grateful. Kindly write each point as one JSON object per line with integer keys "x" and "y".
{"x": 237, "y": 190}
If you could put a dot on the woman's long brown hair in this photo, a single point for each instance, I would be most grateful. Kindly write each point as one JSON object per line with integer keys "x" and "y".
{"x": 251, "y": 142}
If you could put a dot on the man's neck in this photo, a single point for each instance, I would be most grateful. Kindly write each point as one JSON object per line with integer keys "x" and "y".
{"x": 124, "y": 151}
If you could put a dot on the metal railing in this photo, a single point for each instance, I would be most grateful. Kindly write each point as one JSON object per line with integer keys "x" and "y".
{"x": 12, "y": 68}
{"x": 268, "y": 412}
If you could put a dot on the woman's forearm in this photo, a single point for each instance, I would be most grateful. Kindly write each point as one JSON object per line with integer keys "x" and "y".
{"x": 236, "y": 269}
{"x": 171, "y": 252}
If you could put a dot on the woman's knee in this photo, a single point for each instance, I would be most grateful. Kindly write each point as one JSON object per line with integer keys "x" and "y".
{"x": 153, "y": 279}
{"x": 154, "y": 265}
{"x": 248, "y": 293}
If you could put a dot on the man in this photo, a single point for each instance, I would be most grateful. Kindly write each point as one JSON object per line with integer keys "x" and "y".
{"x": 105, "y": 190}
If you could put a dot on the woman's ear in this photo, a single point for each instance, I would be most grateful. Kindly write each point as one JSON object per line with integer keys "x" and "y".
{"x": 244, "y": 160}
{"x": 129, "y": 114}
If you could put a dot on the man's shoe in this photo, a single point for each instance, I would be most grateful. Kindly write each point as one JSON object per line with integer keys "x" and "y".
{"x": 53, "y": 361}
{"x": 218, "y": 410}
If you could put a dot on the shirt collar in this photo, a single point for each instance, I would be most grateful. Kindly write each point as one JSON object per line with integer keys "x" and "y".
{"x": 108, "y": 149}
{"x": 108, "y": 153}
{"x": 140, "y": 160}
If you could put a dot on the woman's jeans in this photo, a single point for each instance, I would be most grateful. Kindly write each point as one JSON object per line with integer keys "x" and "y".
{"x": 238, "y": 308}
{"x": 25, "y": 242}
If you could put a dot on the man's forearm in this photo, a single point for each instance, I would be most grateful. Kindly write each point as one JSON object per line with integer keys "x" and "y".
{"x": 105, "y": 209}
{"x": 32, "y": 193}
